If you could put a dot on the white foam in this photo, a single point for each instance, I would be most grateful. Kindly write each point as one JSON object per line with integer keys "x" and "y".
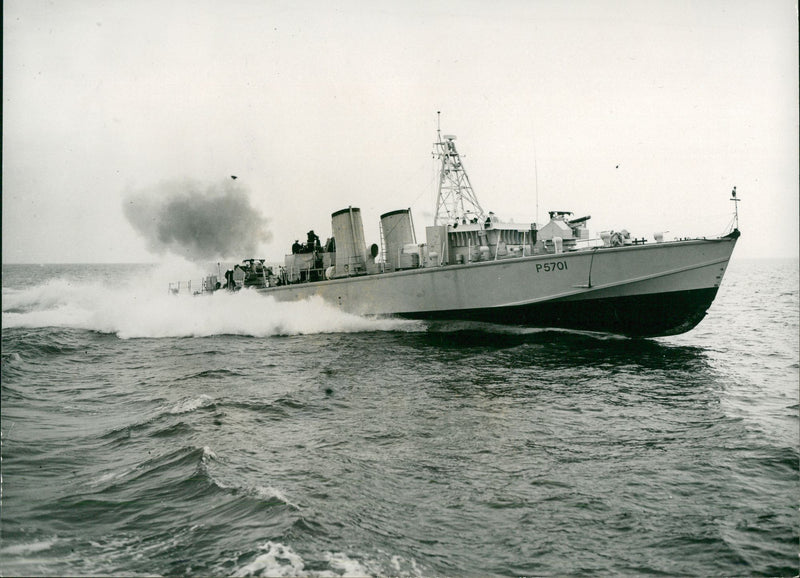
{"x": 405, "y": 567}
{"x": 143, "y": 308}
{"x": 268, "y": 493}
{"x": 110, "y": 476}
{"x": 280, "y": 560}
{"x": 191, "y": 404}
{"x": 18, "y": 549}
{"x": 345, "y": 566}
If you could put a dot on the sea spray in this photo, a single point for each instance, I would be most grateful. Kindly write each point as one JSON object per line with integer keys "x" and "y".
{"x": 141, "y": 307}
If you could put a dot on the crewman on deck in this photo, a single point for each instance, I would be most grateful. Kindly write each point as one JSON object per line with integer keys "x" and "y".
{"x": 313, "y": 242}
{"x": 238, "y": 277}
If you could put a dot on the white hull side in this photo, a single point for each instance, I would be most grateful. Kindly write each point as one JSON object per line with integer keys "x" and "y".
{"x": 486, "y": 287}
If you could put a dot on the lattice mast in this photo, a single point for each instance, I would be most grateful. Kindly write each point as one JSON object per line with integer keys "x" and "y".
{"x": 456, "y": 200}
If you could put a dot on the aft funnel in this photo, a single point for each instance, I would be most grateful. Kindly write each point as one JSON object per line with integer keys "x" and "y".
{"x": 398, "y": 231}
{"x": 351, "y": 249}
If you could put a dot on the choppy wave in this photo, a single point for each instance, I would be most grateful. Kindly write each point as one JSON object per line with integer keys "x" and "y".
{"x": 131, "y": 310}
{"x": 447, "y": 448}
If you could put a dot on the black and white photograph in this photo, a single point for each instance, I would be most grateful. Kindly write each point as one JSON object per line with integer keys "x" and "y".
{"x": 383, "y": 288}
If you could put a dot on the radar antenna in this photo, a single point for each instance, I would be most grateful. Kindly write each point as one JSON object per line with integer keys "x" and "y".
{"x": 456, "y": 200}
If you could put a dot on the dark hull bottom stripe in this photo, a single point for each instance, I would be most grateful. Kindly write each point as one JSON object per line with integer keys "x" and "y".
{"x": 650, "y": 315}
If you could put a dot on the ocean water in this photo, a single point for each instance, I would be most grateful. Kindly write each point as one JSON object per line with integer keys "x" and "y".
{"x": 149, "y": 434}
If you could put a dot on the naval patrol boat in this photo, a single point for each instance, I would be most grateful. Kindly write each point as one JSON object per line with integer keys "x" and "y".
{"x": 473, "y": 266}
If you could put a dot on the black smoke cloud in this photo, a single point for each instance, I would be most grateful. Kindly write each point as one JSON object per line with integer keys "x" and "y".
{"x": 198, "y": 222}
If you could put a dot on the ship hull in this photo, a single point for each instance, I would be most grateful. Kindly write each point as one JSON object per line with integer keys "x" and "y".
{"x": 640, "y": 290}
{"x": 646, "y": 315}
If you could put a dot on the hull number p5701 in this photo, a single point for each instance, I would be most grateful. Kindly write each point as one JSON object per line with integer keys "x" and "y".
{"x": 551, "y": 266}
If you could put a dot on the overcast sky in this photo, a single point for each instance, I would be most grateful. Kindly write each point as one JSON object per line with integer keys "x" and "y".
{"x": 643, "y": 114}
